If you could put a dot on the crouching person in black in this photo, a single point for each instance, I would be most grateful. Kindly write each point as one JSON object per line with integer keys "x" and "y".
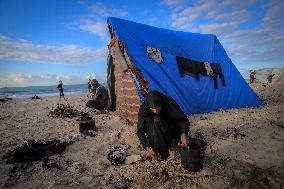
{"x": 160, "y": 120}
{"x": 99, "y": 96}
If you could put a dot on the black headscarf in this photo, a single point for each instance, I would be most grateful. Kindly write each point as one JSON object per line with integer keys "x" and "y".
{"x": 154, "y": 99}
{"x": 95, "y": 83}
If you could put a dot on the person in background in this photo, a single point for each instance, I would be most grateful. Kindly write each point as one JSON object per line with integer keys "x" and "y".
{"x": 60, "y": 88}
{"x": 252, "y": 76}
{"x": 269, "y": 78}
{"x": 160, "y": 120}
{"x": 99, "y": 96}
{"x": 89, "y": 86}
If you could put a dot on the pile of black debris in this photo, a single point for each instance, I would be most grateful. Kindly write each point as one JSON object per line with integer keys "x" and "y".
{"x": 5, "y": 99}
{"x": 30, "y": 151}
{"x": 84, "y": 117}
{"x": 64, "y": 111}
{"x": 35, "y": 97}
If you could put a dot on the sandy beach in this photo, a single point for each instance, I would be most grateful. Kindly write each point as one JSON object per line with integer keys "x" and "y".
{"x": 244, "y": 147}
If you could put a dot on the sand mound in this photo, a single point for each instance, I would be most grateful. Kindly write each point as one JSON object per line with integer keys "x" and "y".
{"x": 262, "y": 74}
{"x": 280, "y": 78}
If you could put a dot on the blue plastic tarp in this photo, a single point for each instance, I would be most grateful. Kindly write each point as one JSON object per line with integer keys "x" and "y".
{"x": 193, "y": 96}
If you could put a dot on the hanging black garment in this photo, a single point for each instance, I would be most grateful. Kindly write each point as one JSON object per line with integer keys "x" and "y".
{"x": 194, "y": 68}
{"x": 190, "y": 67}
{"x": 217, "y": 70}
{"x": 110, "y": 84}
{"x": 119, "y": 57}
{"x": 158, "y": 130}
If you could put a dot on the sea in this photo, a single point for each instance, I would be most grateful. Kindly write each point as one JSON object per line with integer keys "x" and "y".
{"x": 27, "y": 92}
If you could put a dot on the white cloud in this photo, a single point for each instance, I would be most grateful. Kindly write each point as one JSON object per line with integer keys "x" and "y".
{"x": 80, "y": 2}
{"x": 98, "y": 28}
{"x": 218, "y": 29}
{"x": 274, "y": 14}
{"x": 98, "y": 8}
{"x": 213, "y": 12}
{"x": 92, "y": 76}
{"x": 43, "y": 79}
{"x": 174, "y": 2}
{"x": 237, "y": 4}
{"x": 22, "y": 50}
{"x": 22, "y": 79}
{"x": 238, "y": 16}
{"x": 256, "y": 45}
{"x": 249, "y": 36}
{"x": 95, "y": 20}
{"x": 245, "y": 73}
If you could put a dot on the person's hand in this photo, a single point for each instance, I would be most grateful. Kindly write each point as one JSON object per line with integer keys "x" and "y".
{"x": 152, "y": 154}
{"x": 183, "y": 141}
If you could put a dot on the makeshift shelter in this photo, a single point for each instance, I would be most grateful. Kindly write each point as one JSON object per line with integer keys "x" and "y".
{"x": 144, "y": 58}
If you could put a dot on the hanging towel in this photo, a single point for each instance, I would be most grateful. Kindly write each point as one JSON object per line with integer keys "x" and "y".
{"x": 120, "y": 58}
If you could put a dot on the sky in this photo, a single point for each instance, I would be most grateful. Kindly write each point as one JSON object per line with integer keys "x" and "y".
{"x": 43, "y": 41}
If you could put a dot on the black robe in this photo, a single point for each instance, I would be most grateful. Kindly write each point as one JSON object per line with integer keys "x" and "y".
{"x": 157, "y": 131}
{"x": 100, "y": 100}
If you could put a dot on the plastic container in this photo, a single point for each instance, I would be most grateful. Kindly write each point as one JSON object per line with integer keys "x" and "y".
{"x": 86, "y": 125}
{"x": 192, "y": 157}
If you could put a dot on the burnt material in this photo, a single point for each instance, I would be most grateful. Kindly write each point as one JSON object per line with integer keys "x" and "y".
{"x": 63, "y": 111}
{"x": 32, "y": 150}
{"x": 5, "y": 99}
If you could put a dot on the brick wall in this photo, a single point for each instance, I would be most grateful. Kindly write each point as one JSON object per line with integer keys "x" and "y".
{"x": 127, "y": 99}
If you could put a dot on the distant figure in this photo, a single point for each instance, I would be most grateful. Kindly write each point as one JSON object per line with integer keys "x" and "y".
{"x": 269, "y": 78}
{"x": 252, "y": 76}
{"x": 89, "y": 86}
{"x": 36, "y": 97}
{"x": 99, "y": 96}
{"x": 60, "y": 88}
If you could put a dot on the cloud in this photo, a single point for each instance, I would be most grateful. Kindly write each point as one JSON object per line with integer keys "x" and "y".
{"x": 22, "y": 50}
{"x": 94, "y": 21}
{"x": 80, "y": 2}
{"x": 98, "y": 28}
{"x": 251, "y": 31}
{"x": 245, "y": 73}
{"x": 174, "y": 2}
{"x": 44, "y": 79}
{"x": 98, "y": 8}
{"x": 23, "y": 79}
{"x": 274, "y": 14}
{"x": 212, "y": 13}
{"x": 218, "y": 29}
{"x": 92, "y": 76}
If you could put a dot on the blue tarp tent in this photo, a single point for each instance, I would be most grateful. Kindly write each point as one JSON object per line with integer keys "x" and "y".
{"x": 193, "y": 96}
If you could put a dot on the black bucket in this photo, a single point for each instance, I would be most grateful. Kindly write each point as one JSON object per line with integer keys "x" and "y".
{"x": 86, "y": 125}
{"x": 192, "y": 157}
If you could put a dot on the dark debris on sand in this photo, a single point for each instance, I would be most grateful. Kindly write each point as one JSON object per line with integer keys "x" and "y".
{"x": 65, "y": 111}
